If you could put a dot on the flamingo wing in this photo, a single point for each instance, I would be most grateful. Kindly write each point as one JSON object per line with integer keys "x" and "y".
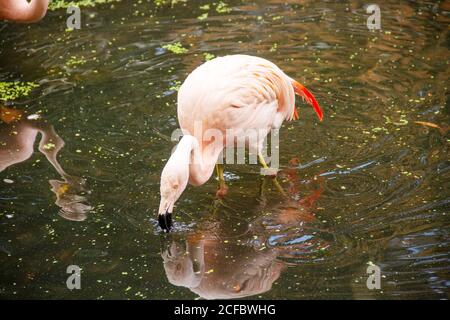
{"x": 239, "y": 92}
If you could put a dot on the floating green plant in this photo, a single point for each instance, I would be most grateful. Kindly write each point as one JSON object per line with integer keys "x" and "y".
{"x": 380, "y": 129}
{"x": 176, "y": 48}
{"x": 63, "y": 4}
{"x": 208, "y": 56}
{"x": 13, "y": 90}
{"x": 176, "y": 85}
{"x": 160, "y": 3}
{"x": 74, "y": 61}
{"x": 203, "y": 16}
{"x": 222, "y": 7}
{"x": 401, "y": 122}
{"x": 49, "y": 146}
{"x": 274, "y": 47}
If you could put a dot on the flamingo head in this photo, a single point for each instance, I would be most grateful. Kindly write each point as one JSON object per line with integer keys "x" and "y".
{"x": 174, "y": 179}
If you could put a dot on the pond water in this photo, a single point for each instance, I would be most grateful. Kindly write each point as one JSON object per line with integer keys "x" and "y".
{"x": 368, "y": 185}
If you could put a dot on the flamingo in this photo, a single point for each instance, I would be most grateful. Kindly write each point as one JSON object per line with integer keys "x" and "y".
{"x": 22, "y": 10}
{"x": 238, "y": 92}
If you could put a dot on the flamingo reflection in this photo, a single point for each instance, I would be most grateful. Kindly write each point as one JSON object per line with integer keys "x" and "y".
{"x": 216, "y": 266}
{"x": 18, "y": 134}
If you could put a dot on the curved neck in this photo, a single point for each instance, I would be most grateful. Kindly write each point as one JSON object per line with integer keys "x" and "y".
{"x": 201, "y": 162}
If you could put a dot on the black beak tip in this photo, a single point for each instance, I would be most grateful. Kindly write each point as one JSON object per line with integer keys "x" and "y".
{"x": 165, "y": 222}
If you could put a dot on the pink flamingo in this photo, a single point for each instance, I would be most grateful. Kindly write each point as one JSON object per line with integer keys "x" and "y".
{"x": 237, "y": 92}
{"x": 22, "y": 10}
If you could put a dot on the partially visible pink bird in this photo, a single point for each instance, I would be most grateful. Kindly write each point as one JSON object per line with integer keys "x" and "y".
{"x": 22, "y": 10}
{"x": 237, "y": 92}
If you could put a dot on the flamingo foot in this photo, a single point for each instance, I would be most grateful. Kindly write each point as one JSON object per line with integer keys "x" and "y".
{"x": 222, "y": 191}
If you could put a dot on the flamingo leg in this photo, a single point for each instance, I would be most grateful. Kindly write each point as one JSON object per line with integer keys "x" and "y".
{"x": 262, "y": 161}
{"x": 222, "y": 191}
{"x": 274, "y": 180}
{"x": 261, "y": 188}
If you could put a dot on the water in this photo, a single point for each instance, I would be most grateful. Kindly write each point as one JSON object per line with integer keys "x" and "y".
{"x": 366, "y": 186}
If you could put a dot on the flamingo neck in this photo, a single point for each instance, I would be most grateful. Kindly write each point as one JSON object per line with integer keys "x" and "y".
{"x": 201, "y": 161}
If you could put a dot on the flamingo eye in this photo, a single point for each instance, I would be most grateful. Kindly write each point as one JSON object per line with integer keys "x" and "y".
{"x": 175, "y": 186}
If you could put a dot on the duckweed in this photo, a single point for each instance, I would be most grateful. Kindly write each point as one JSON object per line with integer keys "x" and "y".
{"x": 222, "y": 7}
{"x": 176, "y": 48}
{"x": 160, "y": 3}
{"x": 62, "y": 4}
{"x": 208, "y": 56}
{"x": 13, "y": 90}
{"x": 203, "y": 16}
{"x": 74, "y": 61}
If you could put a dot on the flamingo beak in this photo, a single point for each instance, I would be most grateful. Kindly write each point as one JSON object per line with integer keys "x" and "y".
{"x": 165, "y": 222}
{"x": 165, "y": 214}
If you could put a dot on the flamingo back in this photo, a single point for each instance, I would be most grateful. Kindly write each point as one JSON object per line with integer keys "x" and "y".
{"x": 237, "y": 92}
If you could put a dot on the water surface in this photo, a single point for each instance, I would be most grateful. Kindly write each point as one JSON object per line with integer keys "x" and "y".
{"x": 368, "y": 185}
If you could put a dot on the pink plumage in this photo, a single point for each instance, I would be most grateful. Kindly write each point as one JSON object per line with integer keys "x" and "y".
{"x": 238, "y": 92}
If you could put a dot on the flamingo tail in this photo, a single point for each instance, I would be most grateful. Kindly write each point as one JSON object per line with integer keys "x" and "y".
{"x": 301, "y": 91}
